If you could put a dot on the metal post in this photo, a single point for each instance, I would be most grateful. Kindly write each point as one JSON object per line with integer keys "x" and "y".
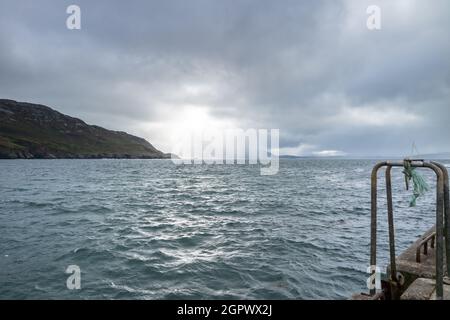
{"x": 439, "y": 230}
{"x": 446, "y": 214}
{"x": 391, "y": 225}
{"x": 373, "y": 218}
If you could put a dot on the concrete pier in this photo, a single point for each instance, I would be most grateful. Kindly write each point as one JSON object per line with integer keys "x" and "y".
{"x": 416, "y": 274}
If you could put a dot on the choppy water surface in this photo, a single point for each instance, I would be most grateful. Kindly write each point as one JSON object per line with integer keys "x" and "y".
{"x": 148, "y": 229}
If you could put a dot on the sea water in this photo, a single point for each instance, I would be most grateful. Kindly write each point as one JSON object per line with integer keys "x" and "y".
{"x": 150, "y": 229}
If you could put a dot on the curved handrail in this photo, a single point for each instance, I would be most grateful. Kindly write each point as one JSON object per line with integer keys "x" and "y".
{"x": 441, "y": 201}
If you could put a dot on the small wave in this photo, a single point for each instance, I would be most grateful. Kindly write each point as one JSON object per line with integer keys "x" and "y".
{"x": 37, "y": 287}
{"x": 87, "y": 255}
{"x": 129, "y": 289}
{"x": 31, "y": 204}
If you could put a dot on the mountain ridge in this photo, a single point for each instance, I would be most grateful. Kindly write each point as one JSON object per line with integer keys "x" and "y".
{"x": 36, "y": 131}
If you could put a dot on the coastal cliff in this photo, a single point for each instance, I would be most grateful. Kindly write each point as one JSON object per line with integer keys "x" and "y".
{"x": 32, "y": 131}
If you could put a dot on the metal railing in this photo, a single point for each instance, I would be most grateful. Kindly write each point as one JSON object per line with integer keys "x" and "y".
{"x": 424, "y": 243}
{"x": 442, "y": 218}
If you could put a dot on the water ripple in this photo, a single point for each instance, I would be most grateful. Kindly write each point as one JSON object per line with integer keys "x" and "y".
{"x": 143, "y": 229}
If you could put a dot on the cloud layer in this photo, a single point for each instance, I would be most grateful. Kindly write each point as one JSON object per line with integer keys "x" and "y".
{"x": 310, "y": 68}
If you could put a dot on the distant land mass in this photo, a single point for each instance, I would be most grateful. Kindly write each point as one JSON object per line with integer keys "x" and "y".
{"x": 430, "y": 156}
{"x": 33, "y": 131}
{"x": 433, "y": 156}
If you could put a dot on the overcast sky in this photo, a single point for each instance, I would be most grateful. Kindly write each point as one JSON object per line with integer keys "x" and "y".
{"x": 310, "y": 68}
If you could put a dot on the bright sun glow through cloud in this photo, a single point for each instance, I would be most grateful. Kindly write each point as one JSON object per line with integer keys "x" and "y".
{"x": 194, "y": 120}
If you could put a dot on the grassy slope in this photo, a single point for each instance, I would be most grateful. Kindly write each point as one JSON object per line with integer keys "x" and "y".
{"x": 39, "y": 129}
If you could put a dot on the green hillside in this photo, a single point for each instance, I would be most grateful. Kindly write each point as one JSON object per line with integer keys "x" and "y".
{"x": 36, "y": 131}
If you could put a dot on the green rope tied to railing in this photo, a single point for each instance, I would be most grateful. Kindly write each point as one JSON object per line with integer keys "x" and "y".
{"x": 419, "y": 183}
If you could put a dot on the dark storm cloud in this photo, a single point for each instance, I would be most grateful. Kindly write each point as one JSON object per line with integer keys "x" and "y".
{"x": 310, "y": 68}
